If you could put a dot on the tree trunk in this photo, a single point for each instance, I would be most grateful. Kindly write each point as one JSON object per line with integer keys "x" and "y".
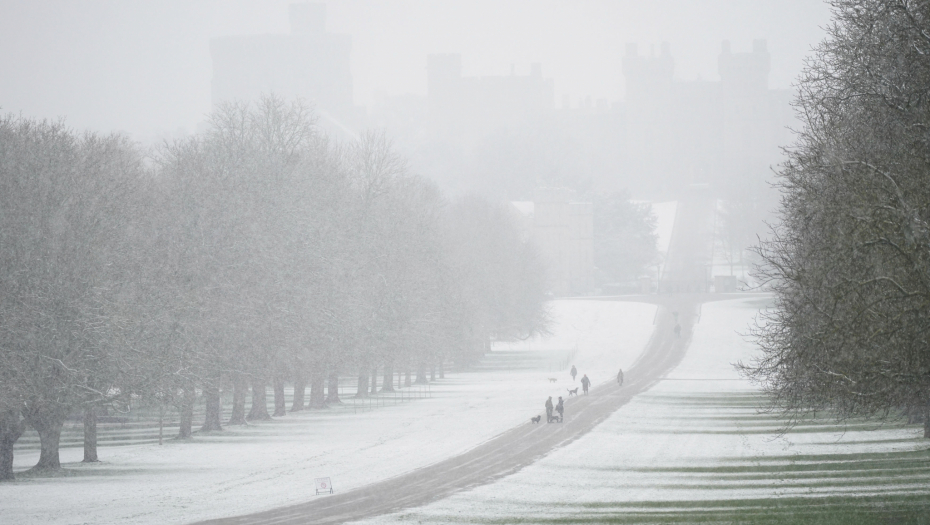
{"x": 407, "y": 377}
{"x": 279, "y": 402}
{"x": 90, "y": 434}
{"x": 374, "y": 380}
{"x": 211, "y": 418}
{"x": 432, "y": 373}
{"x": 187, "y": 412}
{"x": 421, "y": 374}
{"x": 317, "y": 384}
{"x": 388, "y": 384}
{"x": 927, "y": 420}
{"x": 11, "y": 428}
{"x": 442, "y": 373}
{"x": 240, "y": 389}
{"x": 300, "y": 387}
{"x": 362, "y": 390}
{"x": 161, "y": 424}
{"x": 48, "y": 424}
{"x": 332, "y": 390}
{"x": 259, "y": 410}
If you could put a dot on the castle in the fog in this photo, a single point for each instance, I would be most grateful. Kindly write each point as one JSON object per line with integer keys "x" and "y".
{"x": 677, "y": 133}
{"x": 309, "y": 63}
{"x": 664, "y": 135}
{"x": 465, "y": 108}
{"x": 503, "y": 135}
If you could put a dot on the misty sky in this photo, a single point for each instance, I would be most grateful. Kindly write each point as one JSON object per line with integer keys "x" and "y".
{"x": 144, "y": 67}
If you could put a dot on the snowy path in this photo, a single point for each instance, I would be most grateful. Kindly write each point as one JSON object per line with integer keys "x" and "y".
{"x": 272, "y": 464}
{"x": 694, "y": 448}
{"x": 507, "y": 453}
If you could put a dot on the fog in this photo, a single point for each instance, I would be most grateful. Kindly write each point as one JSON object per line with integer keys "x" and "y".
{"x": 401, "y": 232}
{"x": 145, "y": 67}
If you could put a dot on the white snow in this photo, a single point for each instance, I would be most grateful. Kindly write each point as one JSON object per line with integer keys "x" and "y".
{"x": 524, "y": 207}
{"x": 665, "y": 215}
{"x": 644, "y": 451}
{"x": 268, "y": 465}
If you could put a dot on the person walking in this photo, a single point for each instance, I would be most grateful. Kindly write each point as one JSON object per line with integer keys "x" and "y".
{"x": 560, "y": 408}
{"x": 549, "y": 410}
{"x": 574, "y": 372}
{"x": 585, "y": 383}
{"x": 677, "y": 330}
{"x": 620, "y": 377}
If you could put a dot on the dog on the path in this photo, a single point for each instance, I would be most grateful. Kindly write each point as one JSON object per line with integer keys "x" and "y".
{"x": 552, "y": 380}
{"x": 572, "y": 392}
{"x": 536, "y": 419}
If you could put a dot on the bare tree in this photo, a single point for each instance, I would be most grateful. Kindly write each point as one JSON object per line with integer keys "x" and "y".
{"x": 254, "y": 253}
{"x": 848, "y": 260}
{"x": 66, "y": 203}
{"x": 500, "y": 278}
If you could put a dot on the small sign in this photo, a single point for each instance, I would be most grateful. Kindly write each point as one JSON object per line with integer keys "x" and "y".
{"x": 323, "y": 486}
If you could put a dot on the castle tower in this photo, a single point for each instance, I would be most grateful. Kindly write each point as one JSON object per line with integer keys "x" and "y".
{"x": 647, "y": 77}
{"x": 744, "y": 71}
{"x": 309, "y": 63}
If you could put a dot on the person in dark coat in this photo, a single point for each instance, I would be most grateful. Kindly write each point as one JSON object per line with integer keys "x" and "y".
{"x": 560, "y": 408}
{"x": 574, "y": 372}
{"x": 620, "y": 377}
{"x": 549, "y": 409}
{"x": 585, "y": 383}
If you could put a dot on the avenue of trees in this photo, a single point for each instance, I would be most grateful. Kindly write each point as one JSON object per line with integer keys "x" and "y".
{"x": 849, "y": 259}
{"x": 255, "y": 254}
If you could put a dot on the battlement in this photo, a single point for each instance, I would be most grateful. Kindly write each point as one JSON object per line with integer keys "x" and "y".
{"x": 745, "y": 70}
{"x": 647, "y": 75}
{"x": 470, "y": 106}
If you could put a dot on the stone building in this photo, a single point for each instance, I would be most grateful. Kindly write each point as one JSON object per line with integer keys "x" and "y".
{"x": 677, "y": 133}
{"x": 309, "y": 63}
{"x": 666, "y": 134}
{"x": 468, "y": 107}
{"x": 563, "y": 230}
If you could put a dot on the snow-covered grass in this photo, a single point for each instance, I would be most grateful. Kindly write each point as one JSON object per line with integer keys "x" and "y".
{"x": 266, "y": 465}
{"x": 694, "y": 448}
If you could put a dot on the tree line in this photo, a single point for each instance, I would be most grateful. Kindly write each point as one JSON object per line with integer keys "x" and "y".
{"x": 254, "y": 254}
{"x": 849, "y": 258}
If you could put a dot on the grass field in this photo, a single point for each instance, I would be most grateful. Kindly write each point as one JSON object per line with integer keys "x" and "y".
{"x": 697, "y": 449}
{"x": 818, "y": 472}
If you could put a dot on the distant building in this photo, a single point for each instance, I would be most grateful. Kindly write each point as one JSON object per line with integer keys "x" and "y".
{"x": 563, "y": 231}
{"x": 677, "y": 133}
{"x": 308, "y": 63}
{"x": 665, "y": 135}
{"x": 466, "y": 107}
